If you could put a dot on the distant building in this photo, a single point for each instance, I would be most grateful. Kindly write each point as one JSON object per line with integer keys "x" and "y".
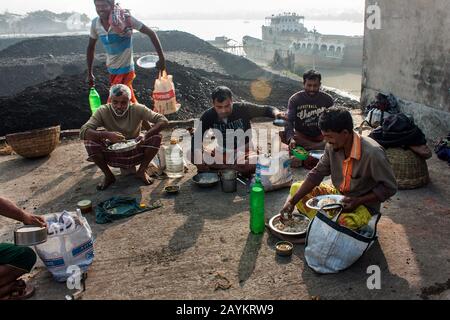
{"x": 410, "y": 58}
{"x": 286, "y": 35}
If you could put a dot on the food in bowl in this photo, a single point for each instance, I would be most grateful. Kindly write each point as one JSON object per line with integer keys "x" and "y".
{"x": 332, "y": 200}
{"x": 295, "y": 225}
{"x": 326, "y": 201}
{"x": 172, "y": 189}
{"x": 284, "y": 248}
{"x": 123, "y": 145}
{"x": 300, "y": 153}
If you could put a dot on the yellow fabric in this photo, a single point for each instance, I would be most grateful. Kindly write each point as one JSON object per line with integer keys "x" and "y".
{"x": 353, "y": 220}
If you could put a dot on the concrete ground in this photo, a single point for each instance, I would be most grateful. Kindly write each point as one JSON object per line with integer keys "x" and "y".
{"x": 198, "y": 245}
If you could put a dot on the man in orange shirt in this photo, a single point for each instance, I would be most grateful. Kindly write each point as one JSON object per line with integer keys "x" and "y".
{"x": 358, "y": 167}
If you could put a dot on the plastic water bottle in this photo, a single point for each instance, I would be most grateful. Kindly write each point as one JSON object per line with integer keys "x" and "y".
{"x": 174, "y": 160}
{"x": 94, "y": 100}
{"x": 257, "y": 223}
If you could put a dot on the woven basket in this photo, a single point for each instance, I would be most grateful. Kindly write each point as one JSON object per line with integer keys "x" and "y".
{"x": 36, "y": 143}
{"x": 410, "y": 169}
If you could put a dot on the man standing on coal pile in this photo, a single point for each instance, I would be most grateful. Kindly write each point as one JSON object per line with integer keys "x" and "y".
{"x": 227, "y": 118}
{"x": 114, "y": 26}
{"x": 122, "y": 121}
{"x": 304, "y": 110}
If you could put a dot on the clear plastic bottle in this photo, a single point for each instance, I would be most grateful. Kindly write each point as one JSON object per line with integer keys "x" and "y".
{"x": 174, "y": 160}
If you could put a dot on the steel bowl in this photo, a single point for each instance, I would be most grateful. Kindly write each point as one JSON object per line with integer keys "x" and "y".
{"x": 284, "y": 248}
{"x": 30, "y": 236}
{"x": 206, "y": 179}
{"x": 276, "y": 219}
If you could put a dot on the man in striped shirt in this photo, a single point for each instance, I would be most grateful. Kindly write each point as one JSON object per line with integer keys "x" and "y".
{"x": 118, "y": 43}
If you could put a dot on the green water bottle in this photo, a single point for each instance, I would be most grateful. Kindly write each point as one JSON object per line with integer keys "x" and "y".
{"x": 94, "y": 100}
{"x": 257, "y": 223}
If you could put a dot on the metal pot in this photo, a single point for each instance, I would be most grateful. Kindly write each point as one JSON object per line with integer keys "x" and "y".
{"x": 206, "y": 179}
{"x": 275, "y": 219}
{"x": 228, "y": 180}
{"x": 30, "y": 236}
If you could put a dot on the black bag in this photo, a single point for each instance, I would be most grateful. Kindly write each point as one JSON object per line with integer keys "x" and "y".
{"x": 442, "y": 149}
{"x": 397, "y": 131}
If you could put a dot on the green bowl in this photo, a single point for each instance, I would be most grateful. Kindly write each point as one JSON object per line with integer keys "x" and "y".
{"x": 300, "y": 153}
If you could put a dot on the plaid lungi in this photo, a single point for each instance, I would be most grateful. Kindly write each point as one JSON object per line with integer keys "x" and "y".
{"x": 122, "y": 159}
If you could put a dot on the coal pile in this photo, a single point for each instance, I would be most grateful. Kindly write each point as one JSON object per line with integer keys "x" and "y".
{"x": 64, "y": 100}
{"x": 170, "y": 41}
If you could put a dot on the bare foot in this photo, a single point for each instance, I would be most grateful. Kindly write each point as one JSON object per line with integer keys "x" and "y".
{"x": 107, "y": 181}
{"x": 144, "y": 177}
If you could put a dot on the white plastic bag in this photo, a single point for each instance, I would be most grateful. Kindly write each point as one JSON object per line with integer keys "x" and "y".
{"x": 275, "y": 171}
{"x": 331, "y": 248}
{"x": 69, "y": 243}
{"x": 164, "y": 95}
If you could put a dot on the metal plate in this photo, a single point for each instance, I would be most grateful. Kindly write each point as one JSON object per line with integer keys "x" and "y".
{"x": 127, "y": 148}
{"x": 147, "y": 62}
{"x": 314, "y": 202}
{"x": 276, "y": 219}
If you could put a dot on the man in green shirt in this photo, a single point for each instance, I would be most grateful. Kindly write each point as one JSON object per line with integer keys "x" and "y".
{"x": 122, "y": 121}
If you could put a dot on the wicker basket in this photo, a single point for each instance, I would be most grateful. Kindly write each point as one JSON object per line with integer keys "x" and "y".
{"x": 36, "y": 143}
{"x": 410, "y": 169}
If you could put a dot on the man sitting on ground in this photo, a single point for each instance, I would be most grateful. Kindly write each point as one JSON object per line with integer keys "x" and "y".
{"x": 16, "y": 261}
{"x": 122, "y": 121}
{"x": 304, "y": 110}
{"x": 226, "y": 117}
{"x": 358, "y": 167}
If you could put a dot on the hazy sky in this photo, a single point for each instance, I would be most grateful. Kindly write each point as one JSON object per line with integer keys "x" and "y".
{"x": 145, "y": 9}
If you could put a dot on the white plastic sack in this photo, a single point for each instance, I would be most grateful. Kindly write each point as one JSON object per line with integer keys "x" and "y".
{"x": 164, "y": 95}
{"x": 331, "y": 248}
{"x": 69, "y": 243}
{"x": 275, "y": 171}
